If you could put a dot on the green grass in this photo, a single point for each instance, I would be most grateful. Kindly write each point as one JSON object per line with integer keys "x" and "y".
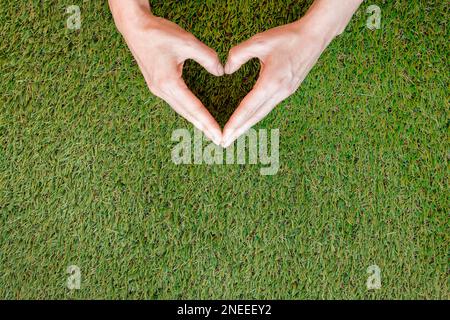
{"x": 86, "y": 176}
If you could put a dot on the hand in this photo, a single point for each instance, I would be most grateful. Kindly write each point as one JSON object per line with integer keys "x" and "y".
{"x": 287, "y": 54}
{"x": 160, "y": 48}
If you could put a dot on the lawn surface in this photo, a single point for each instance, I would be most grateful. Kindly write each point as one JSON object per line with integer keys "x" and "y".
{"x": 86, "y": 176}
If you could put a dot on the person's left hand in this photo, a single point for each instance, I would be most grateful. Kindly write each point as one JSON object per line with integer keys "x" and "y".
{"x": 287, "y": 54}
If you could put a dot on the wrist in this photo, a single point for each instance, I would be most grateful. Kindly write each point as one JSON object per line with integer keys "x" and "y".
{"x": 129, "y": 14}
{"x": 327, "y": 19}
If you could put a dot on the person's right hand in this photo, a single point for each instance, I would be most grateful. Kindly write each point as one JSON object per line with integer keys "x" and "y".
{"x": 160, "y": 48}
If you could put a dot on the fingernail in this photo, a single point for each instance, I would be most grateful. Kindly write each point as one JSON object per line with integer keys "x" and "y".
{"x": 216, "y": 141}
{"x": 228, "y": 141}
{"x": 214, "y": 138}
{"x": 208, "y": 137}
{"x": 225, "y": 142}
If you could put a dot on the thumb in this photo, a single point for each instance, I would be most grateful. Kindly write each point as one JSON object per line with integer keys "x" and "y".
{"x": 206, "y": 57}
{"x": 242, "y": 53}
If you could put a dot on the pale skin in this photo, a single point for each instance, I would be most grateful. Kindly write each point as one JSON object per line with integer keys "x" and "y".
{"x": 287, "y": 54}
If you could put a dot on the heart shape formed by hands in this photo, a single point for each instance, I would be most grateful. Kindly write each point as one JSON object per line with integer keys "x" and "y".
{"x": 221, "y": 95}
{"x": 221, "y": 26}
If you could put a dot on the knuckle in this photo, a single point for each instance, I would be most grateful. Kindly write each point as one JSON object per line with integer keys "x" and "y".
{"x": 288, "y": 90}
{"x": 288, "y": 87}
{"x": 286, "y": 84}
{"x": 153, "y": 87}
{"x": 155, "y": 34}
{"x": 292, "y": 88}
{"x": 166, "y": 86}
{"x": 282, "y": 81}
{"x": 188, "y": 41}
{"x": 156, "y": 91}
{"x": 258, "y": 39}
{"x": 162, "y": 85}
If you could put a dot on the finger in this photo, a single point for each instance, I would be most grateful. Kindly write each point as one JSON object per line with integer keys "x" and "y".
{"x": 185, "y": 103}
{"x": 261, "y": 93}
{"x": 205, "y": 56}
{"x": 261, "y": 113}
{"x": 242, "y": 53}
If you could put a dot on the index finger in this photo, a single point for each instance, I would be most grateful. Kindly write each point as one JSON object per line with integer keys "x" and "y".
{"x": 185, "y": 103}
{"x": 262, "y": 92}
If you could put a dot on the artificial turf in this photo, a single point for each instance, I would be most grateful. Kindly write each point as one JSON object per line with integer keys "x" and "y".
{"x": 86, "y": 176}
